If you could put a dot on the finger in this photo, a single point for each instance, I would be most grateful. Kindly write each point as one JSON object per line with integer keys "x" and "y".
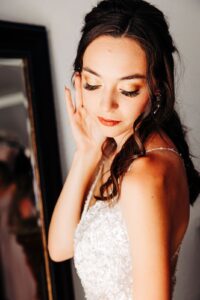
{"x": 78, "y": 93}
{"x": 70, "y": 106}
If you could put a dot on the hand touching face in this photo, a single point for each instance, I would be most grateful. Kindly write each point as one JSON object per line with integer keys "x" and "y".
{"x": 86, "y": 133}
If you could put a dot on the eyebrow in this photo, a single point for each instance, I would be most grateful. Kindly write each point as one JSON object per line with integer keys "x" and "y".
{"x": 133, "y": 76}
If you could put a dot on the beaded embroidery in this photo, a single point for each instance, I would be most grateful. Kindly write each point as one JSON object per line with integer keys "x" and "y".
{"x": 102, "y": 256}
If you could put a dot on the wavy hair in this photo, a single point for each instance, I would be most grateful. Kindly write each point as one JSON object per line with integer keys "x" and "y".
{"x": 147, "y": 25}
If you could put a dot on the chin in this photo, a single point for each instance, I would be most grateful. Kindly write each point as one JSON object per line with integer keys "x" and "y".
{"x": 116, "y": 134}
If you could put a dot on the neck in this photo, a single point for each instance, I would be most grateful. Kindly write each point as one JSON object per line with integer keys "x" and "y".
{"x": 120, "y": 140}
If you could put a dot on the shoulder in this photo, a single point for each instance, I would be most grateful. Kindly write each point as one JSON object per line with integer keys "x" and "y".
{"x": 151, "y": 172}
{"x": 145, "y": 190}
{"x": 153, "y": 178}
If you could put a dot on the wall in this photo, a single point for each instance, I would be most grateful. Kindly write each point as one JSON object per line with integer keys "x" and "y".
{"x": 63, "y": 20}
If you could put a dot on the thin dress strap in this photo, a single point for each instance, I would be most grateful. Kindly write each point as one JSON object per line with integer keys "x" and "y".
{"x": 90, "y": 194}
{"x": 162, "y": 148}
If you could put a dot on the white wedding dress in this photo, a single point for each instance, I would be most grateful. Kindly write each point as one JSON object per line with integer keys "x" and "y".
{"x": 101, "y": 251}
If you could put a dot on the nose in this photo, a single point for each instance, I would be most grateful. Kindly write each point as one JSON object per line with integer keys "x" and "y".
{"x": 108, "y": 101}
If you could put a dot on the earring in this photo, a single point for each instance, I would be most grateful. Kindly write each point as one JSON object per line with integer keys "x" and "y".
{"x": 158, "y": 102}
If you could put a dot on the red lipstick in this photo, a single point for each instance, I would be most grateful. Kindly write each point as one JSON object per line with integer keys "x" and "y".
{"x": 107, "y": 122}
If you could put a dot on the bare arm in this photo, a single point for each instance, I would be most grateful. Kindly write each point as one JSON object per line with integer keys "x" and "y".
{"x": 67, "y": 211}
{"x": 66, "y": 214}
{"x": 145, "y": 206}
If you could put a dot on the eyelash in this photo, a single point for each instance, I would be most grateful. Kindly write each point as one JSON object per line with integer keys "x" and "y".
{"x": 126, "y": 93}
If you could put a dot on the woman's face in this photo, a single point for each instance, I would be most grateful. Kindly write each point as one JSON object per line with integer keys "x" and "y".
{"x": 114, "y": 84}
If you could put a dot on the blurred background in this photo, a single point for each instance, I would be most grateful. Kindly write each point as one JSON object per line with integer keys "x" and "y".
{"x": 63, "y": 20}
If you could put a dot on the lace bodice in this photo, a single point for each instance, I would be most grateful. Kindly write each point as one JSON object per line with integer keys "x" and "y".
{"x": 102, "y": 255}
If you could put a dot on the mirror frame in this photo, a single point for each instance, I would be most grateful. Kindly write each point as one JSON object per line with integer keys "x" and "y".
{"x": 30, "y": 43}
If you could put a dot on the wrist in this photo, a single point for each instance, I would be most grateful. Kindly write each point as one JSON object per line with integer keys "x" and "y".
{"x": 88, "y": 152}
{"x": 90, "y": 155}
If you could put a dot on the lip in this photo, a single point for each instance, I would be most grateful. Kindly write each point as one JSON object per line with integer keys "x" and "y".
{"x": 108, "y": 122}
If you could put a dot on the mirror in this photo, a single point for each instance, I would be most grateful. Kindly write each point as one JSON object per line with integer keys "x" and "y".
{"x": 21, "y": 232}
{"x": 30, "y": 176}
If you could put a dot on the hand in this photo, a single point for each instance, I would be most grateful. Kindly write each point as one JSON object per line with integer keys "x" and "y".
{"x": 86, "y": 132}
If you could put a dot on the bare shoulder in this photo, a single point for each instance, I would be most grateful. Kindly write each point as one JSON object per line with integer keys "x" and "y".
{"x": 158, "y": 171}
{"x": 147, "y": 174}
{"x": 145, "y": 190}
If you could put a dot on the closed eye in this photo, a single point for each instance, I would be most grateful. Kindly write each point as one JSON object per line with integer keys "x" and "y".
{"x": 90, "y": 87}
{"x": 130, "y": 93}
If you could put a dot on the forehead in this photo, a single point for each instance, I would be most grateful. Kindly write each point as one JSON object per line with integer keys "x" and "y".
{"x": 111, "y": 57}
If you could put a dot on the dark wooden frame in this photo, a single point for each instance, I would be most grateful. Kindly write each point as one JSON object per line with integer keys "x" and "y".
{"x": 29, "y": 42}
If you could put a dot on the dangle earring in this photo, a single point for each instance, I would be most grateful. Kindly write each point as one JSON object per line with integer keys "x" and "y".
{"x": 158, "y": 102}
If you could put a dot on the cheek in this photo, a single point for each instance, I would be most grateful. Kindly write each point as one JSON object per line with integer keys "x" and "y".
{"x": 143, "y": 103}
{"x": 138, "y": 106}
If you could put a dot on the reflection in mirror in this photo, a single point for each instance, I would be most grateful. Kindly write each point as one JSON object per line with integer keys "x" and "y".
{"x": 23, "y": 270}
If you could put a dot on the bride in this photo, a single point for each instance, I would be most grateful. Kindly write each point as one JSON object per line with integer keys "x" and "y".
{"x": 124, "y": 207}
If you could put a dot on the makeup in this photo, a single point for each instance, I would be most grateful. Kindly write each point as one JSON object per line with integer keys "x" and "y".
{"x": 108, "y": 122}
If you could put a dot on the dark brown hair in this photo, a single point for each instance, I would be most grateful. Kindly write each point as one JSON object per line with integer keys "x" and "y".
{"x": 147, "y": 25}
